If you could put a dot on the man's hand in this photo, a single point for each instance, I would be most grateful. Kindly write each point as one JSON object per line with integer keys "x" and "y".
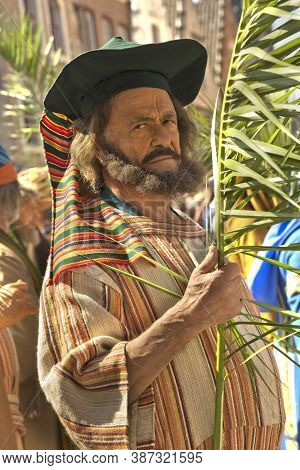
{"x": 15, "y": 303}
{"x": 212, "y": 296}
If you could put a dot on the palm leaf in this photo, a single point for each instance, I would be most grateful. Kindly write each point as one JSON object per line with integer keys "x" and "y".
{"x": 287, "y": 267}
{"x": 33, "y": 69}
{"x": 137, "y": 278}
{"x": 258, "y": 149}
{"x": 203, "y": 123}
{"x": 273, "y": 308}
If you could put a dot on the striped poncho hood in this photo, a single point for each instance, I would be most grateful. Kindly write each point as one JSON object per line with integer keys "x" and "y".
{"x": 85, "y": 230}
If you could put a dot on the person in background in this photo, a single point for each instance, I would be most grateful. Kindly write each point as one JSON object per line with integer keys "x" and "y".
{"x": 35, "y": 215}
{"x": 277, "y": 286}
{"x": 36, "y": 179}
{"x": 15, "y": 265}
{"x": 15, "y": 304}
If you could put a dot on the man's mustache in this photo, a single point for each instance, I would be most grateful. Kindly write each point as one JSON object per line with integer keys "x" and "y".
{"x": 160, "y": 152}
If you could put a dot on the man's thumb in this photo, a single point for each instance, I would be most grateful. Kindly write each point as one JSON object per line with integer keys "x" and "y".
{"x": 210, "y": 261}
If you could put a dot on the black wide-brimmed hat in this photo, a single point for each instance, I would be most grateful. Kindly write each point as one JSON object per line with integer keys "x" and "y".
{"x": 175, "y": 66}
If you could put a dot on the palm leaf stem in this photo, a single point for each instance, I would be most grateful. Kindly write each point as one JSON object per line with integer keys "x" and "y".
{"x": 273, "y": 308}
{"x": 286, "y": 355}
{"x": 250, "y": 364}
{"x": 261, "y": 337}
{"x": 148, "y": 258}
{"x": 241, "y": 248}
{"x": 219, "y": 202}
{"x": 287, "y": 267}
{"x": 137, "y": 278}
{"x": 266, "y": 327}
{"x": 266, "y": 346}
{"x": 283, "y": 326}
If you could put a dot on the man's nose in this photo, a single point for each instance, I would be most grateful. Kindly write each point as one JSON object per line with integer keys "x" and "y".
{"x": 161, "y": 137}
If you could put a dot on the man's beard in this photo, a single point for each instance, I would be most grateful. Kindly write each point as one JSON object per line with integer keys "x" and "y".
{"x": 186, "y": 179}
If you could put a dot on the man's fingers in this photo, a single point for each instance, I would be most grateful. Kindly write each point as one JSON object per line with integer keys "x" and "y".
{"x": 209, "y": 262}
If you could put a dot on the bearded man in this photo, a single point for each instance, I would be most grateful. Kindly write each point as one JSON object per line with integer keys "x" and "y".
{"x": 124, "y": 364}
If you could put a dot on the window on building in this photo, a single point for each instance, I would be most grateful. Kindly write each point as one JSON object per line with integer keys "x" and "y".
{"x": 107, "y": 28}
{"x": 56, "y": 24}
{"x": 123, "y": 31}
{"x": 155, "y": 33}
{"x": 86, "y": 27}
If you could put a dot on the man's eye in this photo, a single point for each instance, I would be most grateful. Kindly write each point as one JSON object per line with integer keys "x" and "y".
{"x": 140, "y": 126}
{"x": 170, "y": 122}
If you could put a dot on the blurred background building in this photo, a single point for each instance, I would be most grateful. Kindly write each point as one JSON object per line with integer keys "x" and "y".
{"x": 80, "y": 25}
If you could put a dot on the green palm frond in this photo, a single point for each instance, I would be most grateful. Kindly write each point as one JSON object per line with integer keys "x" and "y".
{"x": 33, "y": 69}
{"x": 202, "y": 144}
{"x": 258, "y": 147}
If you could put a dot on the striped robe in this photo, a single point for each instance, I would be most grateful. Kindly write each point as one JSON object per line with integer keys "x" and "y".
{"x": 89, "y": 313}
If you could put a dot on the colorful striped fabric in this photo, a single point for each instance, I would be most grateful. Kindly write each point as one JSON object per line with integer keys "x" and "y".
{"x": 81, "y": 226}
{"x": 90, "y": 314}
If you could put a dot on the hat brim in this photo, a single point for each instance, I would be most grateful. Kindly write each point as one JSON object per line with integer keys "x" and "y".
{"x": 182, "y": 62}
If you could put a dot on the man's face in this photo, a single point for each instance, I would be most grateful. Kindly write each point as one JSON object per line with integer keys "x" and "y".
{"x": 141, "y": 145}
{"x": 143, "y": 126}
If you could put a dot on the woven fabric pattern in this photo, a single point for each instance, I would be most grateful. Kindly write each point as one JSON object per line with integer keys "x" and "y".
{"x": 81, "y": 226}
